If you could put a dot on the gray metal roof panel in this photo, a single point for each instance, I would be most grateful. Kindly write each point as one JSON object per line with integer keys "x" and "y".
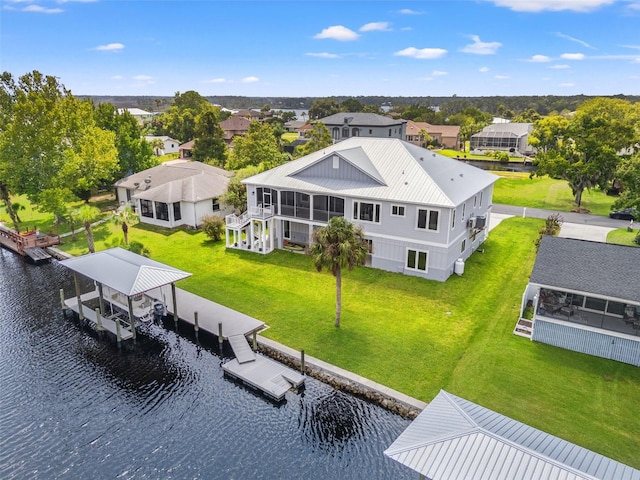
{"x": 590, "y": 267}
{"x": 472, "y": 448}
{"x": 411, "y": 174}
{"x": 124, "y": 271}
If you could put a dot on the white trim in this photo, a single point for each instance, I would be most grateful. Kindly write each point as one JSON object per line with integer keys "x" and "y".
{"x": 428, "y": 210}
{"x": 418, "y": 252}
{"x": 585, "y": 327}
{"x": 404, "y": 210}
{"x": 357, "y": 217}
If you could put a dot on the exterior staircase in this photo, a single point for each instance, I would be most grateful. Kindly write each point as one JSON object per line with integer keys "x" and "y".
{"x": 524, "y": 328}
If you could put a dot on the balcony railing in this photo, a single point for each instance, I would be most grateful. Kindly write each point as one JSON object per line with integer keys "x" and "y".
{"x": 236, "y": 221}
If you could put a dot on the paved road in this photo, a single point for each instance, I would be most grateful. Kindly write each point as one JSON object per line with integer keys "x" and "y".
{"x": 569, "y": 217}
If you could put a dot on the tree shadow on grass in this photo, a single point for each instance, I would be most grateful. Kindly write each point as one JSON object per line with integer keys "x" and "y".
{"x": 164, "y": 231}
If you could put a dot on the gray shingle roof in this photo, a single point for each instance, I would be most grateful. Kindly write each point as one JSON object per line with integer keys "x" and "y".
{"x": 178, "y": 180}
{"x": 591, "y": 267}
{"x": 455, "y": 439}
{"x": 404, "y": 173}
{"x": 358, "y": 119}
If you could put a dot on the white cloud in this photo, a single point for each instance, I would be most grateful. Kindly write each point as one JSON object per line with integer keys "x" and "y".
{"x": 143, "y": 78}
{"x": 560, "y": 66}
{"x": 117, "y": 77}
{"x": 322, "y": 55}
{"x": 250, "y": 80}
{"x": 376, "y": 26}
{"x": 408, "y": 11}
{"x": 552, "y": 5}
{"x": 421, "y": 53}
{"x": 568, "y": 84}
{"x": 216, "y": 80}
{"x": 39, "y": 9}
{"x": 338, "y": 32}
{"x": 438, "y": 73}
{"x": 483, "y": 69}
{"x": 479, "y": 47}
{"x": 502, "y": 77}
{"x": 539, "y": 59}
{"x": 572, "y": 56}
{"x": 576, "y": 40}
{"x": 110, "y": 47}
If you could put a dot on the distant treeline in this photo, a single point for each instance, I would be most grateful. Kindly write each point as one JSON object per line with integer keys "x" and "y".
{"x": 495, "y": 105}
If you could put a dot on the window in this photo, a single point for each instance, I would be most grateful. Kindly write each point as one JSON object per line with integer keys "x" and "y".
{"x": 336, "y": 161}
{"x": 355, "y": 132}
{"x": 481, "y": 198}
{"x": 345, "y": 132}
{"x": 389, "y": 132}
{"x": 162, "y": 211}
{"x": 397, "y": 210}
{"x": 177, "y": 214}
{"x": 464, "y": 209}
{"x": 370, "y": 132}
{"x": 367, "y": 212}
{"x": 453, "y": 219}
{"x": 369, "y": 246}
{"x": 475, "y": 201}
{"x": 463, "y": 247}
{"x": 615, "y": 308}
{"x": 146, "y": 208}
{"x": 335, "y": 133}
{"x": 428, "y": 219}
{"x": 128, "y": 195}
{"x": 417, "y": 260}
{"x": 326, "y": 207}
{"x": 286, "y": 229}
{"x": 215, "y": 204}
{"x": 597, "y": 304}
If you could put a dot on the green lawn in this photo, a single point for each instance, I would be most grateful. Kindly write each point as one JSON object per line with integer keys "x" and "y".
{"x": 622, "y": 236}
{"x": 544, "y": 192}
{"x": 420, "y": 336}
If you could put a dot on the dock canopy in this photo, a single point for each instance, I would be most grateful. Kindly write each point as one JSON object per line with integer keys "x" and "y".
{"x": 455, "y": 439}
{"x": 125, "y": 271}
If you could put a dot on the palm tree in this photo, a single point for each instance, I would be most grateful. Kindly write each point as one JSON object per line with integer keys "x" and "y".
{"x": 125, "y": 218}
{"x": 88, "y": 214}
{"x": 339, "y": 245}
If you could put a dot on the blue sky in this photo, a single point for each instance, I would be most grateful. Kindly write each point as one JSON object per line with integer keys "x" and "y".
{"x": 325, "y": 48}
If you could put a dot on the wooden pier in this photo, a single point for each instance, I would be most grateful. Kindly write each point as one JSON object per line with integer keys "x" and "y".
{"x": 28, "y": 244}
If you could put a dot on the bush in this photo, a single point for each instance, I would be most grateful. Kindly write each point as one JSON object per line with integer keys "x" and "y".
{"x": 213, "y": 227}
{"x": 637, "y": 239}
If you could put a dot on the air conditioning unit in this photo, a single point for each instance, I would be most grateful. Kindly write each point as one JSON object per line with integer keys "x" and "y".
{"x": 471, "y": 223}
{"x": 481, "y": 222}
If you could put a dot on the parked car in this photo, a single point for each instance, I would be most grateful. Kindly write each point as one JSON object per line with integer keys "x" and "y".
{"x": 625, "y": 214}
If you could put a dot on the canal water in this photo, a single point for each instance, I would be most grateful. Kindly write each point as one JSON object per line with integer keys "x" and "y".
{"x": 73, "y": 405}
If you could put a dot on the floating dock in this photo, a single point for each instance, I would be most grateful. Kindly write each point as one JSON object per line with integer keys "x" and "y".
{"x": 260, "y": 372}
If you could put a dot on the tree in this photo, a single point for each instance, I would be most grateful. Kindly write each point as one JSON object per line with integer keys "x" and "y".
{"x": 125, "y": 218}
{"x": 629, "y": 175}
{"x": 320, "y": 138}
{"x": 584, "y": 149}
{"x": 180, "y": 119}
{"x": 213, "y": 227}
{"x": 339, "y": 245}
{"x": 209, "y": 144}
{"x": 236, "y": 194}
{"x": 50, "y": 146}
{"x": 552, "y": 226}
{"x": 323, "y": 107}
{"x": 351, "y": 105}
{"x": 258, "y": 148}
{"x": 88, "y": 214}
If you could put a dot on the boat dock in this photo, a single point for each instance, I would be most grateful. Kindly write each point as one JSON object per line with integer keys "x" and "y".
{"x": 28, "y": 244}
{"x": 133, "y": 285}
{"x": 262, "y": 373}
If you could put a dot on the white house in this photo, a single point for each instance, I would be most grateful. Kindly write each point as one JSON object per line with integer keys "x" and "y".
{"x": 508, "y": 137}
{"x": 585, "y": 297}
{"x": 142, "y": 116}
{"x": 170, "y": 145}
{"x": 420, "y": 211}
{"x": 179, "y": 192}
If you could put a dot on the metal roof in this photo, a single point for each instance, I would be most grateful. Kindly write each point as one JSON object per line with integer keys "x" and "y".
{"x": 408, "y": 173}
{"x": 124, "y": 271}
{"x": 591, "y": 267}
{"x": 505, "y": 129}
{"x": 455, "y": 439}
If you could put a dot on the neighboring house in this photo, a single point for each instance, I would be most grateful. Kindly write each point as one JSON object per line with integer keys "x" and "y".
{"x": 234, "y": 127}
{"x": 347, "y": 125}
{"x": 421, "y": 212}
{"x": 186, "y": 149}
{"x": 179, "y": 192}
{"x": 508, "y": 137}
{"x": 142, "y": 116}
{"x": 305, "y": 130}
{"x": 249, "y": 114}
{"x": 455, "y": 439}
{"x": 585, "y": 297}
{"x": 293, "y": 125}
{"x": 170, "y": 145}
{"x": 447, "y": 136}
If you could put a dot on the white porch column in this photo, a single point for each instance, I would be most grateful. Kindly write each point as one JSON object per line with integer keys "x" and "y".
{"x": 272, "y": 234}
{"x": 251, "y": 233}
{"x": 263, "y": 235}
